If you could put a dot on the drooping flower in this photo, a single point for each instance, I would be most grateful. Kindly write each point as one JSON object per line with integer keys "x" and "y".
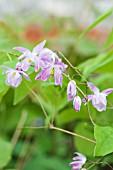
{"x": 77, "y": 103}
{"x": 78, "y": 162}
{"x": 14, "y": 77}
{"x": 71, "y": 90}
{"x": 29, "y": 56}
{"x": 98, "y": 98}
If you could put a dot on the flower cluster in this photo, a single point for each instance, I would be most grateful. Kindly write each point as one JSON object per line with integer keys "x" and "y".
{"x": 78, "y": 162}
{"x": 98, "y": 98}
{"x": 41, "y": 58}
{"x": 47, "y": 63}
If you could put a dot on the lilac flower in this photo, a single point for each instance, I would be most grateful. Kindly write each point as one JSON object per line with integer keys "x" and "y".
{"x": 53, "y": 68}
{"x": 71, "y": 90}
{"x": 98, "y": 98}
{"x": 52, "y": 55}
{"x": 14, "y": 77}
{"x": 77, "y": 103}
{"x": 78, "y": 162}
{"x": 29, "y": 56}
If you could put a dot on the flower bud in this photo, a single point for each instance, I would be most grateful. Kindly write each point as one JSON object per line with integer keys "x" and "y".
{"x": 71, "y": 90}
{"x": 77, "y": 103}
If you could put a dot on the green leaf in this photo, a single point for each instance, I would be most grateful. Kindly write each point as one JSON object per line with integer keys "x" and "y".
{"x": 97, "y": 21}
{"x": 104, "y": 139}
{"x": 109, "y": 41}
{"x": 83, "y": 146}
{"x": 95, "y": 63}
{"x": 5, "y": 153}
{"x": 69, "y": 115}
{"x": 22, "y": 90}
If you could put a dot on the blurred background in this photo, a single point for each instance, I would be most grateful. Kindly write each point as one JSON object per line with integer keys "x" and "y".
{"x": 26, "y": 23}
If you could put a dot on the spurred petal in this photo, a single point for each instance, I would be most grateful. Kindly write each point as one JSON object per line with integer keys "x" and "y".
{"x": 81, "y": 157}
{"x": 39, "y": 47}
{"x": 107, "y": 91}
{"x": 93, "y": 88}
{"x": 22, "y": 56}
{"x": 24, "y": 75}
{"x": 76, "y": 163}
{"x": 21, "y": 49}
{"x": 88, "y": 97}
{"x": 38, "y": 76}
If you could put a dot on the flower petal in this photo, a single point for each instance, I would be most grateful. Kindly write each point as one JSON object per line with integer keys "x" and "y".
{"x": 9, "y": 78}
{"x": 46, "y": 74}
{"x": 39, "y": 47}
{"x": 16, "y": 82}
{"x": 21, "y": 49}
{"x": 25, "y": 64}
{"x": 24, "y": 75}
{"x": 38, "y": 76}
{"x": 107, "y": 91}
{"x": 58, "y": 79}
{"x": 89, "y": 97}
{"x": 93, "y": 88}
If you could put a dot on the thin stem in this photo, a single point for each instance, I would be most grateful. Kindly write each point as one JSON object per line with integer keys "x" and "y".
{"x": 87, "y": 105}
{"x": 75, "y": 69}
{"x": 66, "y": 60}
{"x": 17, "y": 133}
{"x": 74, "y": 134}
{"x": 31, "y": 127}
{"x": 94, "y": 163}
{"x": 75, "y": 85}
{"x": 53, "y": 116}
{"x": 10, "y": 59}
{"x": 88, "y": 110}
{"x": 39, "y": 103}
{"x": 62, "y": 130}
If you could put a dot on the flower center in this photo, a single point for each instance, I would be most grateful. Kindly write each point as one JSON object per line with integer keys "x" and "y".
{"x": 52, "y": 71}
{"x": 13, "y": 74}
{"x": 29, "y": 61}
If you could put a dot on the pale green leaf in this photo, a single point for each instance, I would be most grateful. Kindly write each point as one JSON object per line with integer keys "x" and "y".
{"x": 5, "y": 153}
{"x": 22, "y": 90}
{"x": 97, "y": 21}
{"x": 83, "y": 146}
{"x": 95, "y": 63}
{"x": 109, "y": 41}
{"x": 104, "y": 139}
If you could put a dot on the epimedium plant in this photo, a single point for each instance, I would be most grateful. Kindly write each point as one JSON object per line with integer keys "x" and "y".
{"x": 46, "y": 64}
{"x": 43, "y": 64}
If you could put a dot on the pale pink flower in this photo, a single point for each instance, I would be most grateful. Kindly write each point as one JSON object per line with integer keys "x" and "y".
{"x": 98, "y": 98}
{"x": 14, "y": 77}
